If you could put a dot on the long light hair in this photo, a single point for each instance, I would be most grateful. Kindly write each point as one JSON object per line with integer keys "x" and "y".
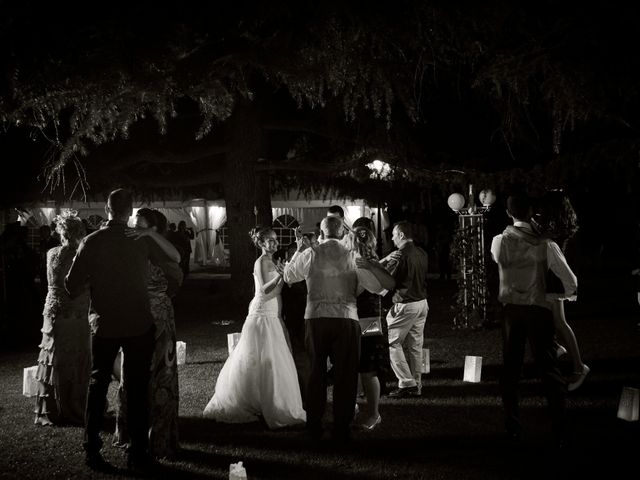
{"x": 362, "y": 241}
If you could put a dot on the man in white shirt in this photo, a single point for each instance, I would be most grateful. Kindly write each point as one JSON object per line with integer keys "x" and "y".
{"x": 332, "y": 327}
{"x": 523, "y": 259}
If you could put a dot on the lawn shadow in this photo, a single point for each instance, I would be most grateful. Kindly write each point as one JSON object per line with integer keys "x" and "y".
{"x": 457, "y": 438}
{"x": 261, "y": 467}
{"x": 206, "y": 362}
{"x": 174, "y": 471}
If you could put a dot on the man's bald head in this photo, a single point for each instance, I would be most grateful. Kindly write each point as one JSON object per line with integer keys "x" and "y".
{"x": 331, "y": 227}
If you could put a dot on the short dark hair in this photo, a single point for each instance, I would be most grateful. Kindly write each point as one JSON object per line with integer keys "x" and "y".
{"x": 149, "y": 215}
{"x": 120, "y": 201}
{"x": 333, "y": 209}
{"x": 161, "y": 222}
{"x": 405, "y": 227}
{"x": 519, "y": 206}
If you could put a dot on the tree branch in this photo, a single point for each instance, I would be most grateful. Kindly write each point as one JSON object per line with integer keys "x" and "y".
{"x": 166, "y": 157}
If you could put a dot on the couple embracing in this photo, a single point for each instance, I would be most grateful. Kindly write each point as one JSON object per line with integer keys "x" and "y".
{"x": 259, "y": 378}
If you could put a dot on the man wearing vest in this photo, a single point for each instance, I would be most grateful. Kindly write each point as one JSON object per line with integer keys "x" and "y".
{"x": 523, "y": 259}
{"x": 332, "y": 327}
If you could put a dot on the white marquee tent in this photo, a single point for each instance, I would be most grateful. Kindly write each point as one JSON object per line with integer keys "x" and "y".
{"x": 206, "y": 217}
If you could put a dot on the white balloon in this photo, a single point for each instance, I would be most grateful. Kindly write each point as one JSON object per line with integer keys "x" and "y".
{"x": 487, "y": 197}
{"x": 455, "y": 201}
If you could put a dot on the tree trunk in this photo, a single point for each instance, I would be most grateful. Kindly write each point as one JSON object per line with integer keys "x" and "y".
{"x": 264, "y": 215}
{"x": 244, "y": 137}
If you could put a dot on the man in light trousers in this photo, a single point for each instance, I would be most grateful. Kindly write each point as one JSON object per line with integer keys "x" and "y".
{"x": 406, "y": 319}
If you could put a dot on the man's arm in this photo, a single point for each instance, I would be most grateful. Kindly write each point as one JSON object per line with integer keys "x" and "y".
{"x": 391, "y": 262}
{"x": 78, "y": 274}
{"x": 163, "y": 242}
{"x": 157, "y": 254}
{"x": 382, "y": 280}
{"x": 173, "y": 274}
{"x": 298, "y": 267}
{"x": 495, "y": 247}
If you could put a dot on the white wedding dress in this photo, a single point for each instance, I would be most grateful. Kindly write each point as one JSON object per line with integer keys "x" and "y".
{"x": 259, "y": 378}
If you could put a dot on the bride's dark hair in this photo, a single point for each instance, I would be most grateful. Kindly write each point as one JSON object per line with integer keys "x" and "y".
{"x": 258, "y": 234}
{"x": 555, "y": 217}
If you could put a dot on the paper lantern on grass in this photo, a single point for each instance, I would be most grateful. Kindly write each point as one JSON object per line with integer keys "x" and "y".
{"x": 426, "y": 363}
{"x": 237, "y": 472}
{"x": 29, "y": 382}
{"x": 472, "y": 368}
{"x": 628, "y": 408}
{"x": 455, "y": 201}
{"x": 232, "y": 341}
{"x": 181, "y": 352}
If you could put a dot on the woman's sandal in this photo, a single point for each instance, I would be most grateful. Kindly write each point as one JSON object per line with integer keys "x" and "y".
{"x": 43, "y": 420}
{"x": 579, "y": 378}
{"x": 370, "y": 427}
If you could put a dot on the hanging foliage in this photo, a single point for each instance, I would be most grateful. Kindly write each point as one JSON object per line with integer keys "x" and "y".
{"x": 519, "y": 73}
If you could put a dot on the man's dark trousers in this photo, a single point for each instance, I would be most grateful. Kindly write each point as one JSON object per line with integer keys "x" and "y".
{"x": 522, "y": 322}
{"x": 137, "y": 352}
{"x": 339, "y": 339}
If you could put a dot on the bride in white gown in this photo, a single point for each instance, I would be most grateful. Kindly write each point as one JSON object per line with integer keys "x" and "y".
{"x": 259, "y": 378}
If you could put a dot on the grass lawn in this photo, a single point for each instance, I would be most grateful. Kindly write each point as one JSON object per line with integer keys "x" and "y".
{"x": 453, "y": 431}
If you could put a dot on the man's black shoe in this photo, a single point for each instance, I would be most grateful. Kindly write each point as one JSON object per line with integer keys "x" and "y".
{"x": 514, "y": 436}
{"x": 341, "y": 441}
{"x": 315, "y": 432}
{"x": 405, "y": 392}
{"x": 141, "y": 464}
{"x": 95, "y": 461}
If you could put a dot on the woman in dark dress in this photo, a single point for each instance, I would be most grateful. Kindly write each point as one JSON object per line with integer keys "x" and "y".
{"x": 556, "y": 219}
{"x": 374, "y": 345}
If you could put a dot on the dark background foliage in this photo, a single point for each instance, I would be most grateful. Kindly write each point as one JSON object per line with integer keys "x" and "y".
{"x": 237, "y": 100}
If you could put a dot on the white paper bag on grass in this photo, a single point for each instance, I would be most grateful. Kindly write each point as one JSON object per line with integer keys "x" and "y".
{"x": 29, "y": 382}
{"x": 237, "y": 472}
{"x": 472, "y": 368}
{"x": 181, "y": 352}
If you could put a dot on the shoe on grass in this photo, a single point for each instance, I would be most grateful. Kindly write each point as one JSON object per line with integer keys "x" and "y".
{"x": 405, "y": 392}
{"x": 560, "y": 351}
{"x": 578, "y": 378}
{"x": 95, "y": 461}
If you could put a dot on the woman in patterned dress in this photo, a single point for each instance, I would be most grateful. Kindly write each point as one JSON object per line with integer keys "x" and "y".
{"x": 163, "y": 390}
{"x": 64, "y": 362}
